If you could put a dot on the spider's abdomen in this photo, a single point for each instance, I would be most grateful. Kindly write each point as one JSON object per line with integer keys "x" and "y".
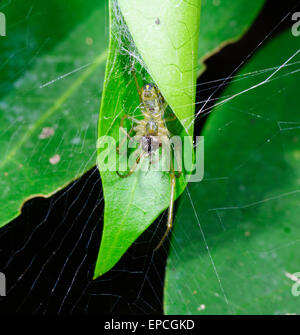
{"x": 149, "y": 144}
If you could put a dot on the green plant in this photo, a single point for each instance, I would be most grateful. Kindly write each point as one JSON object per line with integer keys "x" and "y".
{"x": 49, "y": 135}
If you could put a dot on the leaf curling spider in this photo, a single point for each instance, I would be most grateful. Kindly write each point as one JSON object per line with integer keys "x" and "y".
{"x": 151, "y": 132}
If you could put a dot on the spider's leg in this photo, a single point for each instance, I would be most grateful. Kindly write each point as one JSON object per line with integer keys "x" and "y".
{"x": 171, "y": 206}
{"x": 130, "y": 172}
{"x": 126, "y": 116}
{"x": 136, "y": 82}
{"x": 178, "y": 161}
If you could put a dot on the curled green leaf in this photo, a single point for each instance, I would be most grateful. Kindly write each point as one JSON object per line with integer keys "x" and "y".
{"x": 160, "y": 40}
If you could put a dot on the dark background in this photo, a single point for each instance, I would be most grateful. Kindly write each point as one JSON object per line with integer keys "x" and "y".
{"x": 48, "y": 253}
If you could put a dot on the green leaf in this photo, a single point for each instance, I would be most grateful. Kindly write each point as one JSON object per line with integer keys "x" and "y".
{"x": 224, "y": 22}
{"x": 235, "y": 243}
{"x": 164, "y": 38}
{"x": 52, "y": 62}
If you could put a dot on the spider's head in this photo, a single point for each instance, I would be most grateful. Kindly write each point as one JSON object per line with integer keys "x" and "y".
{"x": 150, "y": 92}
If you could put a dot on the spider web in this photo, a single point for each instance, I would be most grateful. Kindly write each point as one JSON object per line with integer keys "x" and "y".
{"x": 49, "y": 252}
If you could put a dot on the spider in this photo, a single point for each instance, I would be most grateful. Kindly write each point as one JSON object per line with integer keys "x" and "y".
{"x": 150, "y": 133}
